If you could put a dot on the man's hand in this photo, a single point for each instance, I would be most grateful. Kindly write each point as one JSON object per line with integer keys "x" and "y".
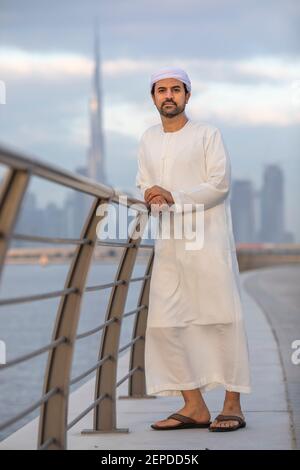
{"x": 155, "y": 191}
{"x": 157, "y": 204}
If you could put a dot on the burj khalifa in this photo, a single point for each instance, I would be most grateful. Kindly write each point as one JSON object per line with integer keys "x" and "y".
{"x": 96, "y": 164}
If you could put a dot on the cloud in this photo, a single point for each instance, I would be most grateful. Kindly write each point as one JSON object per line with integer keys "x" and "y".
{"x": 272, "y": 68}
{"x": 246, "y": 104}
{"x": 20, "y": 64}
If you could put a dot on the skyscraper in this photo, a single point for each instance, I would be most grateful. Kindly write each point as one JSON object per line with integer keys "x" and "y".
{"x": 272, "y": 226}
{"x": 96, "y": 170}
{"x": 242, "y": 206}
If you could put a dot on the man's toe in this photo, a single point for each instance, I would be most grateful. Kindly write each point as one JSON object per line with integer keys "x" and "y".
{"x": 223, "y": 424}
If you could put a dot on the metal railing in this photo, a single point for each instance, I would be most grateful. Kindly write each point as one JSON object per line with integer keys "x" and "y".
{"x": 53, "y": 404}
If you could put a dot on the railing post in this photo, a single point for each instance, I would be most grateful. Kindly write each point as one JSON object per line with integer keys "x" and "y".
{"x": 105, "y": 411}
{"x": 12, "y": 192}
{"x": 54, "y": 413}
{"x": 136, "y": 383}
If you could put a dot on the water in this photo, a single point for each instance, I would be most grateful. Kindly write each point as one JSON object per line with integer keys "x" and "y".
{"x": 28, "y": 326}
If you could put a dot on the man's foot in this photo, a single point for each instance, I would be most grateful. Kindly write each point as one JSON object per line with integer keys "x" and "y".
{"x": 229, "y": 410}
{"x": 201, "y": 415}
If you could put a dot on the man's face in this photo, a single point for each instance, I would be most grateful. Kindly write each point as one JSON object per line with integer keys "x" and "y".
{"x": 169, "y": 97}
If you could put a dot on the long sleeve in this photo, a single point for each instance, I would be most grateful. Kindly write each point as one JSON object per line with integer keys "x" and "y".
{"x": 217, "y": 186}
{"x": 142, "y": 179}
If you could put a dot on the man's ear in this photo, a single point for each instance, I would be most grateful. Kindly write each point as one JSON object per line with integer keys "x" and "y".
{"x": 187, "y": 97}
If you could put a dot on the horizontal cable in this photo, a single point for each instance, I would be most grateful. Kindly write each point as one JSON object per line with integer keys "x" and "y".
{"x": 35, "y": 238}
{"x": 134, "y": 279}
{"x": 130, "y": 245}
{"x": 104, "y": 286}
{"x": 130, "y": 343}
{"x": 131, "y": 372}
{"x": 141, "y": 307}
{"x": 28, "y": 410}
{"x": 33, "y": 298}
{"x": 101, "y": 242}
{"x": 37, "y": 352}
{"x": 87, "y": 410}
{"x": 89, "y": 371}
{"x": 145, "y": 245}
{"x": 98, "y": 328}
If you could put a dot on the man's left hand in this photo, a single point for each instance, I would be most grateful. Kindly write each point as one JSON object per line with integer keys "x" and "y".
{"x": 158, "y": 191}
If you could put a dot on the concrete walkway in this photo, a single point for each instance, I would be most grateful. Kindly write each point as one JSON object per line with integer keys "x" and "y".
{"x": 265, "y": 409}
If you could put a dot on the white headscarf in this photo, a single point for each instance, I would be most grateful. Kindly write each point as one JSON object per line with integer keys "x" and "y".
{"x": 171, "y": 72}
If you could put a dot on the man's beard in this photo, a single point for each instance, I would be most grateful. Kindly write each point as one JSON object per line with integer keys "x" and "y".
{"x": 171, "y": 111}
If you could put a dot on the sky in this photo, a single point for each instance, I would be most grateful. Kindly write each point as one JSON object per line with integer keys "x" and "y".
{"x": 243, "y": 60}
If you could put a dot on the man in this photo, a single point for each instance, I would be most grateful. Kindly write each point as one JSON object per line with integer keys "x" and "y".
{"x": 195, "y": 336}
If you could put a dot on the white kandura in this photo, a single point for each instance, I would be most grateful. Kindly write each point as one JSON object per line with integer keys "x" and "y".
{"x": 195, "y": 335}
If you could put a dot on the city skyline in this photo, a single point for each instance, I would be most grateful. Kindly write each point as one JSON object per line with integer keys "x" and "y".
{"x": 260, "y": 215}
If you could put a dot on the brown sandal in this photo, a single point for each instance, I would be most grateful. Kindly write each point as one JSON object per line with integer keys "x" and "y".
{"x": 241, "y": 421}
{"x": 186, "y": 422}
